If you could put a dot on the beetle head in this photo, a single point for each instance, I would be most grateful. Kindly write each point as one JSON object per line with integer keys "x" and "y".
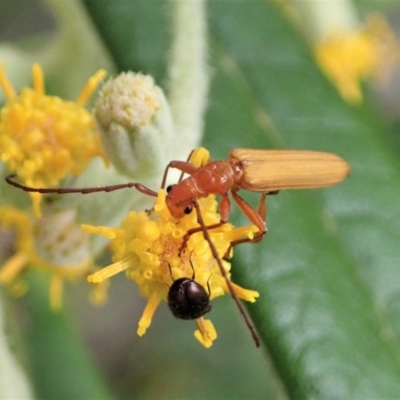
{"x": 179, "y": 200}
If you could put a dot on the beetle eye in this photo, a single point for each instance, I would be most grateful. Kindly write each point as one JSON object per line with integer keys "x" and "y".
{"x": 169, "y": 188}
{"x": 187, "y": 210}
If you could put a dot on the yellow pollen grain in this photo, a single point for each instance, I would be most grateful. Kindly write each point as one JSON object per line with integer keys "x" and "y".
{"x": 38, "y": 79}
{"x": 160, "y": 206}
{"x": 36, "y": 201}
{"x": 148, "y": 313}
{"x": 177, "y": 233}
{"x": 14, "y": 117}
{"x": 107, "y": 272}
{"x": 56, "y": 291}
{"x": 149, "y": 230}
{"x": 240, "y": 233}
{"x": 200, "y": 246}
{"x": 109, "y": 233}
{"x": 158, "y": 248}
{"x": 166, "y": 227}
{"x": 99, "y": 294}
{"x": 174, "y": 262}
{"x": 13, "y": 267}
{"x": 90, "y": 87}
{"x": 5, "y": 83}
{"x": 150, "y": 259}
{"x": 200, "y": 157}
{"x": 246, "y": 294}
{"x": 148, "y": 274}
{"x": 206, "y": 332}
{"x": 138, "y": 245}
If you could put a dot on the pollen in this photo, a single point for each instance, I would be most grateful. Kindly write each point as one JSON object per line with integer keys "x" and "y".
{"x": 153, "y": 250}
{"x": 45, "y": 138}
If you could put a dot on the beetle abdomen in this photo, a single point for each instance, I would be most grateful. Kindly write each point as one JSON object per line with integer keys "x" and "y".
{"x": 269, "y": 170}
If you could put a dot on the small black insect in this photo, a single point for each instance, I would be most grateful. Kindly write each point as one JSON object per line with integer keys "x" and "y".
{"x": 187, "y": 299}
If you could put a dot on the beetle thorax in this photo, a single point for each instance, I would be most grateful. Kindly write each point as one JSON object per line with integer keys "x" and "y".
{"x": 216, "y": 177}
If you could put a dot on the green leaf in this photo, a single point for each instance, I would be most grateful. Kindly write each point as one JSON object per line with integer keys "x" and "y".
{"x": 373, "y": 6}
{"x": 137, "y": 33}
{"x": 60, "y": 365}
{"x": 327, "y": 271}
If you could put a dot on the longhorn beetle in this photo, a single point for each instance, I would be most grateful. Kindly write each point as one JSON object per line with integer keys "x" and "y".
{"x": 263, "y": 171}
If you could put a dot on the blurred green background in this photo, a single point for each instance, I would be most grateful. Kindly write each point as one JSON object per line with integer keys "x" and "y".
{"x": 328, "y": 271}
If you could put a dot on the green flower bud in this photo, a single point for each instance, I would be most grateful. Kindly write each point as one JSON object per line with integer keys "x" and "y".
{"x": 136, "y": 125}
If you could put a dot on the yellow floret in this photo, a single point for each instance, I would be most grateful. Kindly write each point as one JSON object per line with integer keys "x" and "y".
{"x": 45, "y": 138}
{"x": 30, "y": 246}
{"x": 148, "y": 247}
{"x": 349, "y": 58}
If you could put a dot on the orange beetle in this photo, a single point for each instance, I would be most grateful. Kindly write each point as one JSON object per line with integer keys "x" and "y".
{"x": 263, "y": 171}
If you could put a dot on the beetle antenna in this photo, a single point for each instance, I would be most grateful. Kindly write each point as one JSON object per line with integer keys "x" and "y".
{"x": 208, "y": 285}
{"x": 188, "y": 160}
{"x": 170, "y": 272}
{"x": 191, "y": 264}
{"x": 138, "y": 186}
{"x": 232, "y": 291}
{"x": 194, "y": 272}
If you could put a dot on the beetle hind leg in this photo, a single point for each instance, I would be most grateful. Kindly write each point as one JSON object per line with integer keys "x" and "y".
{"x": 258, "y": 218}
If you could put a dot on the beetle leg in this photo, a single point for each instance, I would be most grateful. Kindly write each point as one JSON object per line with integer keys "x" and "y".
{"x": 192, "y": 231}
{"x": 258, "y": 218}
{"x": 199, "y": 156}
{"x": 224, "y": 210}
{"x": 229, "y": 285}
{"x": 184, "y": 166}
{"x": 224, "y": 207}
{"x": 262, "y": 208}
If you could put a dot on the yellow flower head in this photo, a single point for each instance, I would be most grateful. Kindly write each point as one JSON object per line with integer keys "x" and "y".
{"x": 148, "y": 247}
{"x": 36, "y": 241}
{"x": 349, "y": 58}
{"x": 45, "y": 138}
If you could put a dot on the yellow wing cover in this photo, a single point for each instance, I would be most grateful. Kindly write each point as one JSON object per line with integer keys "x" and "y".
{"x": 265, "y": 170}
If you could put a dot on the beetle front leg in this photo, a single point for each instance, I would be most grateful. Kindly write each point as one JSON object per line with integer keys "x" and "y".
{"x": 224, "y": 210}
{"x": 184, "y": 166}
{"x": 196, "y": 160}
{"x": 192, "y": 231}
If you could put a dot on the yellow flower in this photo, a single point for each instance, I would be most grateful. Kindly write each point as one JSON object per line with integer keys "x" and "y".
{"x": 349, "y": 58}
{"x": 45, "y": 138}
{"x": 148, "y": 247}
{"x": 35, "y": 241}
